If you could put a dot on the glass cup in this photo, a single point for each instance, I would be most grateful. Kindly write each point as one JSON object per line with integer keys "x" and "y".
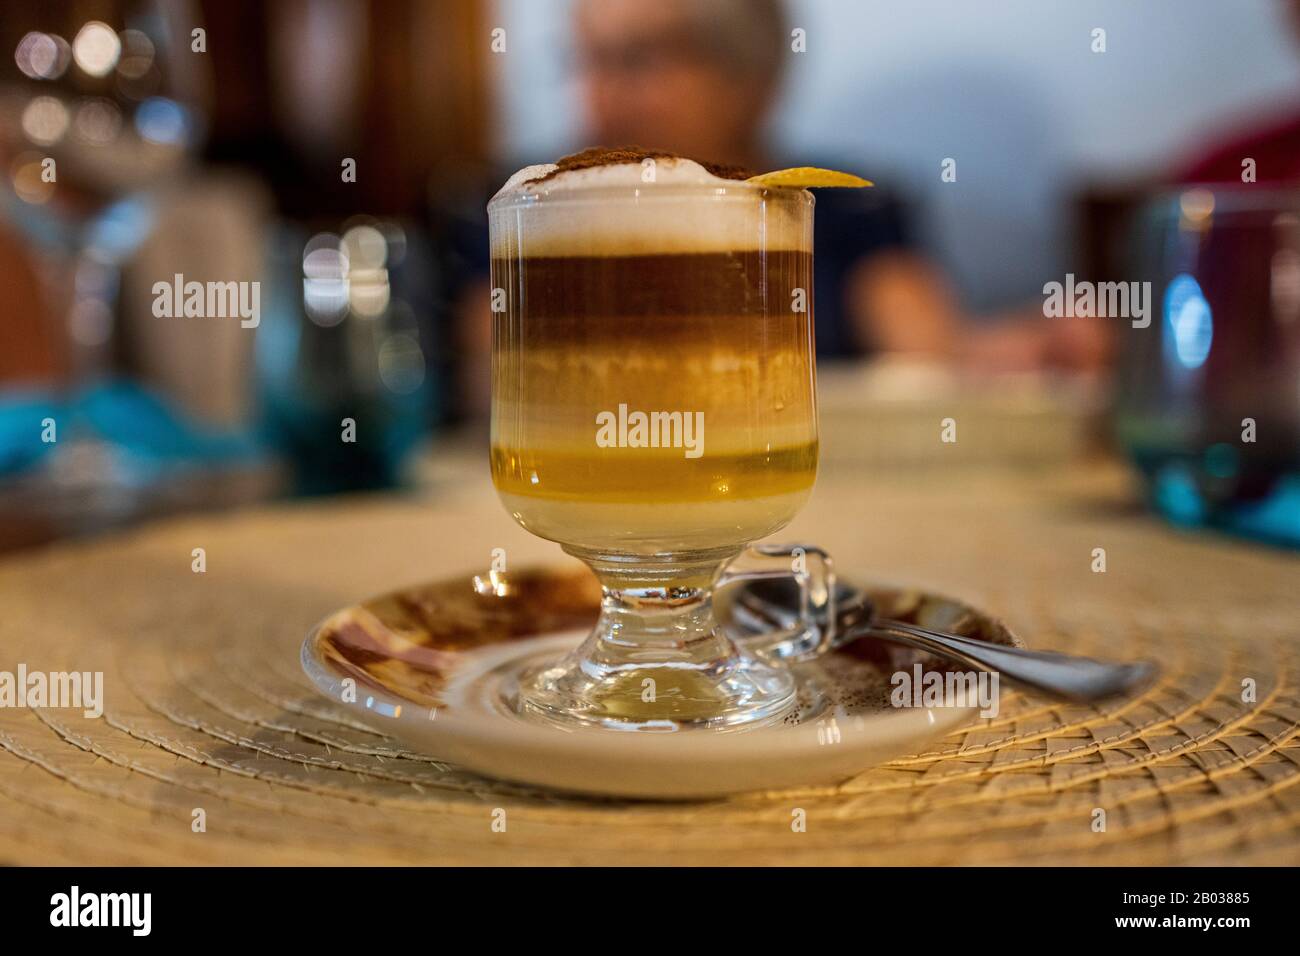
{"x": 1209, "y": 387}
{"x": 654, "y": 412}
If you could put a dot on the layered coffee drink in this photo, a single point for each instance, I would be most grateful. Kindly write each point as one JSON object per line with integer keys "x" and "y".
{"x": 654, "y": 412}
{"x": 653, "y": 378}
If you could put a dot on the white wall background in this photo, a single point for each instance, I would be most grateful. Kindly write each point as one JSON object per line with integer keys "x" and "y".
{"x": 1009, "y": 88}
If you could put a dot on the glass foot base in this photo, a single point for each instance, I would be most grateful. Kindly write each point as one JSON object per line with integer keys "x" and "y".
{"x": 592, "y": 687}
{"x": 657, "y": 660}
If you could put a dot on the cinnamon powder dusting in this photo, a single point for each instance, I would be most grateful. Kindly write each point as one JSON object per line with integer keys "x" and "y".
{"x": 606, "y": 156}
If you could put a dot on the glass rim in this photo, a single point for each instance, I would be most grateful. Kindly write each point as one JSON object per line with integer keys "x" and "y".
{"x": 736, "y": 191}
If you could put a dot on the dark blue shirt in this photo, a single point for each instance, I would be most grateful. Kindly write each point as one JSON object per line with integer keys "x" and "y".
{"x": 849, "y": 226}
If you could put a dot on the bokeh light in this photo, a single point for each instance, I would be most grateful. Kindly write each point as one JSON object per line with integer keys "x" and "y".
{"x": 1197, "y": 208}
{"x": 1189, "y": 320}
{"x": 28, "y": 183}
{"x": 42, "y": 56}
{"x": 97, "y": 121}
{"x": 365, "y": 247}
{"x": 325, "y": 280}
{"x": 401, "y": 363}
{"x": 96, "y": 48}
{"x": 163, "y": 121}
{"x": 45, "y": 120}
{"x": 137, "y": 54}
{"x": 367, "y": 254}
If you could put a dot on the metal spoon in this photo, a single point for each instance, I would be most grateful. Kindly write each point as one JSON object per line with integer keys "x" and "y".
{"x": 767, "y": 604}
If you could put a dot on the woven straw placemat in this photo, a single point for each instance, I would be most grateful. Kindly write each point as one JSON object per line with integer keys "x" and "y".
{"x": 207, "y": 717}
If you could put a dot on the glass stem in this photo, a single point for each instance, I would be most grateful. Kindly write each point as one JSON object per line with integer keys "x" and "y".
{"x": 656, "y": 658}
{"x": 657, "y": 611}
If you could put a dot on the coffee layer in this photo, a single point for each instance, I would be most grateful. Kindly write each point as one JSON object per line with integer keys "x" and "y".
{"x": 662, "y": 297}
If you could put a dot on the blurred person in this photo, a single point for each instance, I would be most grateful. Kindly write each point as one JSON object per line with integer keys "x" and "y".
{"x": 699, "y": 80}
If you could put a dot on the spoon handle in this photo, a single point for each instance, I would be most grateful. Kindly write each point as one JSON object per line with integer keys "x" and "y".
{"x": 1059, "y": 676}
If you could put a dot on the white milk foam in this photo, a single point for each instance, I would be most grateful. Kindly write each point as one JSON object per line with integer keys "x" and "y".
{"x": 613, "y": 210}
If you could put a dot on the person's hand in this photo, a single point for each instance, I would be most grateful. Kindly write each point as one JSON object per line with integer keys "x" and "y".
{"x": 902, "y": 305}
{"x": 1030, "y": 342}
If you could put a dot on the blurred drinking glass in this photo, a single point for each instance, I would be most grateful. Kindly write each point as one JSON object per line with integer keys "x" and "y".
{"x": 99, "y": 102}
{"x": 1210, "y": 392}
{"x": 99, "y": 105}
{"x": 347, "y": 372}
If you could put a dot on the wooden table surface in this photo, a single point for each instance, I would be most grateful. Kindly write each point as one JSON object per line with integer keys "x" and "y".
{"x": 207, "y": 716}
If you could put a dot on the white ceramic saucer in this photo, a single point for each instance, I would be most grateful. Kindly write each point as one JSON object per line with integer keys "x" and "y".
{"x": 431, "y": 667}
